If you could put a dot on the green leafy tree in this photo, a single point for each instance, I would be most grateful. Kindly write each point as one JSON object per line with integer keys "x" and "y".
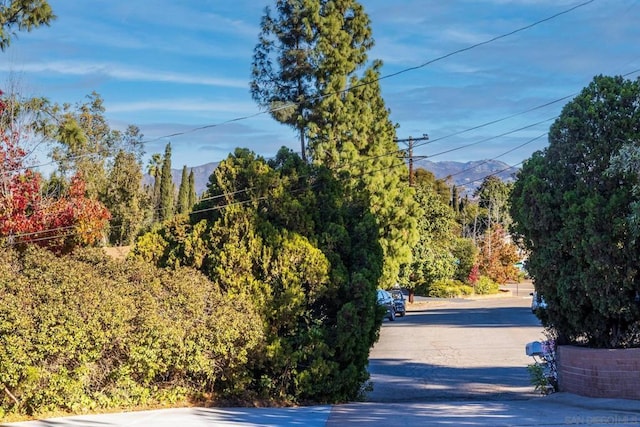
{"x": 465, "y": 252}
{"x": 167, "y": 188}
{"x": 571, "y": 210}
{"x": 85, "y": 143}
{"x": 22, "y": 15}
{"x": 433, "y": 258}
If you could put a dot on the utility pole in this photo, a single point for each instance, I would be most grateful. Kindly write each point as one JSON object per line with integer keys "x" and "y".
{"x": 409, "y": 141}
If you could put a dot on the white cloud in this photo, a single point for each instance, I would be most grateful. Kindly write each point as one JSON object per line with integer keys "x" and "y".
{"x": 184, "y": 105}
{"x": 119, "y": 72}
{"x": 460, "y": 35}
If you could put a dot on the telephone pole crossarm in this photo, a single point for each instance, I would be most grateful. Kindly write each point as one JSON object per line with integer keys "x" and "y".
{"x": 409, "y": 142}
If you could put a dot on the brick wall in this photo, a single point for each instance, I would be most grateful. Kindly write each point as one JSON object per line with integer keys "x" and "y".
{"x": 599, "y": 372}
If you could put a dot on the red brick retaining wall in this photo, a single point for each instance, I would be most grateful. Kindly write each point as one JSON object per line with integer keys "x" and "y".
{"x": 599, "y": 372}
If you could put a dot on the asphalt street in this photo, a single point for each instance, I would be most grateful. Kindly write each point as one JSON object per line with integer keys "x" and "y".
{"x": 456, "y": 349}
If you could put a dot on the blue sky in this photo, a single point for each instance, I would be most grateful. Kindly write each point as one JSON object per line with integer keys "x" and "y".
{"x": 170, "y": 66}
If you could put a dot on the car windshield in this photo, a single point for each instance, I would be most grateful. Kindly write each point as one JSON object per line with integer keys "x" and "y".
{"x": 397, "y": 295}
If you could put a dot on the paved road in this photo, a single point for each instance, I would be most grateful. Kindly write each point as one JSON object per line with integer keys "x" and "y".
{"x": 463, "y": 363}
{"x": 456, "y": 349}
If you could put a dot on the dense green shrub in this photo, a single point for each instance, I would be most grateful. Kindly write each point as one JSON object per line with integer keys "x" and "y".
{"x": 486, "y": 286}
{"x": 83, "y": 331}
{"x": 304, "y": 253}
{"x": 449, "y": 288}
{"x": 571, "y": 210}
{"x": 466, "y": 254}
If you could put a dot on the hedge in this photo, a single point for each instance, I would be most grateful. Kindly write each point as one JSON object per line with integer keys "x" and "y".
{"x": 84, "y": 332}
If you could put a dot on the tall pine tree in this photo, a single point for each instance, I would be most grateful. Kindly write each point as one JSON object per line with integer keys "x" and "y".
{"x": 307, "y": 59}
{"x": 355, "y": 137}
{"x": 284, "y": 65}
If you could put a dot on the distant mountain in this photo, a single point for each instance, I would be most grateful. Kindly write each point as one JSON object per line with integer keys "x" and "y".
{"x": 200, "y": 173}
{"x": 468, "y": 175}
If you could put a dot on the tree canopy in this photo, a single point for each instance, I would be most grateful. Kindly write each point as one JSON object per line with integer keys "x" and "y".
{"x": 571, "y": 210}
{"x": 302, "y": 48}
{"x": 306, "y": 68}
{"x": 22, "y": 15}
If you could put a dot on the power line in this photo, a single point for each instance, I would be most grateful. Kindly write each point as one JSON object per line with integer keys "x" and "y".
{"x": 502, "y": 36}
{"x": 387, "y": 76}
{"x": 493, "y": 137}
{"x": 498, "y": 156}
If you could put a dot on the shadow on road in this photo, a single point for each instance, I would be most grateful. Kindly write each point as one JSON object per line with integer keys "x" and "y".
{"x": 493, "y": 317}
{"x": 398, "y": 380}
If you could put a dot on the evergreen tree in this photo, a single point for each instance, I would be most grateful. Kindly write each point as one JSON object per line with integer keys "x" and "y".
{"x": 305, "y": 65}
{"x": 302, "y": 254}
{"x": 123, "y": 198}
{"x": 166, "y": 205}
{"x": 24, "y": 15}
{"x": 571, "y": 210}
{"x": 193, "y": 197}
{"x": 355, "y": 138}
{"x": 283, "y": 64}
{"x": 299, "y": 49}
{"x": 154, "y": 168}
{"x": 183, "y": 206}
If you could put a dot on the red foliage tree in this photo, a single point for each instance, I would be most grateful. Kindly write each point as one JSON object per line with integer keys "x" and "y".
{"x": 26, "y": 216}
{"x": 474, "y": 275}
{"x": 498, "y": 255}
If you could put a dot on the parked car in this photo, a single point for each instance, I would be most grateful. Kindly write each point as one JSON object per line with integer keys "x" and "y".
{"x": 537, "y": 301}
{"x": 385, "y": 300}
{"x": 399, "y": 304}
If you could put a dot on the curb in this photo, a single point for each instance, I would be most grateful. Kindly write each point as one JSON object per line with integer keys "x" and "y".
{"x": 570, "y": 399}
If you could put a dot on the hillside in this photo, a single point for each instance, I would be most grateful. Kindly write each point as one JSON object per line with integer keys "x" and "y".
{"x": 470, "y": 174}
{"x": 464, "y": 174}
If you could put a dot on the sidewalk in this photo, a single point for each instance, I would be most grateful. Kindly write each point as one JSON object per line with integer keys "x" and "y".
{"x": 559, "y": 409}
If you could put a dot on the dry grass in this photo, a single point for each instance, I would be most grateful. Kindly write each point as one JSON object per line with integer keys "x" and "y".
{"x": 117, "y": 252}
